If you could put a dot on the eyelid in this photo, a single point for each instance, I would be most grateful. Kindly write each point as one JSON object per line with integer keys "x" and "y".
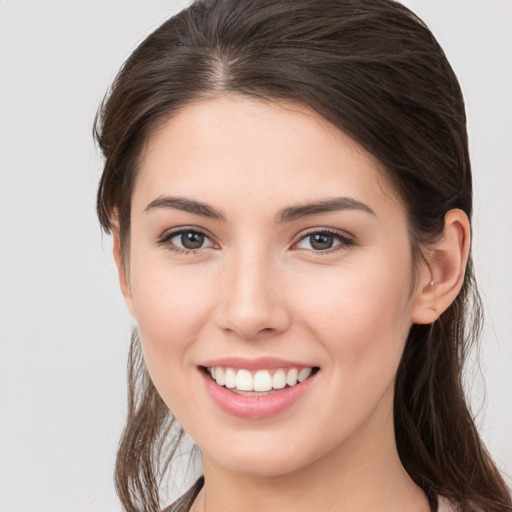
{"x": 165, "y": 238}
{"x": 347, "y": 240}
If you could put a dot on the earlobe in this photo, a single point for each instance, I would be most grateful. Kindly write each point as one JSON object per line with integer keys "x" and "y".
{"x": 122, "y": 269}
{"x": 443, "y": 274}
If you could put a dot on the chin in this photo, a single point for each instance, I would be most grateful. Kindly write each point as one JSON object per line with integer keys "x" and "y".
{"x": 260, "y": 457}
{"x": 262, "y": 465}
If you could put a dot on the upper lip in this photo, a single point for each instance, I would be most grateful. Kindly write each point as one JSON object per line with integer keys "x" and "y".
{"x": 254, "y": 363}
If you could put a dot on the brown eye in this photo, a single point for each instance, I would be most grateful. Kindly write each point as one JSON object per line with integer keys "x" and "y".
{"x": 321, "y": 241}
{"x": 185, "y": 240}
{"x": 192, "y": 240}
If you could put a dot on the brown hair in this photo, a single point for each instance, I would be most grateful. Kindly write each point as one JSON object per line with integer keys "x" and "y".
{"x": 374, "y": 70}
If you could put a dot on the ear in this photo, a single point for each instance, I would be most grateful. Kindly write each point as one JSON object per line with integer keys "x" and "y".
{"x": 442, "y": 276}
{"x": 122, "y": 269}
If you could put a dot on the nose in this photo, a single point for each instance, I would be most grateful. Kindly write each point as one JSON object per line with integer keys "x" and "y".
{"x": 252, "y": 301}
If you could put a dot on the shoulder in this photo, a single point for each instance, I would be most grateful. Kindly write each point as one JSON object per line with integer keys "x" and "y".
{"x": 184, "y": 503}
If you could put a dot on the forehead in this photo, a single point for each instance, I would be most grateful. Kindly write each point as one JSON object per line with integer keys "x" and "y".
{"x": 234, "y": 147}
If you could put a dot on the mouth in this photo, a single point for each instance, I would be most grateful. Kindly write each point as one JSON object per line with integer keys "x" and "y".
{"x": 258, "y": 382}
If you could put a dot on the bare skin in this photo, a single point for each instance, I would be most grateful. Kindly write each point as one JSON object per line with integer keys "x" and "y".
{"x": 258, "y": 283}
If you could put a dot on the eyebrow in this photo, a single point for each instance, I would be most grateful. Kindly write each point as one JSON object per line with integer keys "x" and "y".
{"x": 318, "y": 207}
{"x": 185, "y": 205}
{"x": 285, "y": 215}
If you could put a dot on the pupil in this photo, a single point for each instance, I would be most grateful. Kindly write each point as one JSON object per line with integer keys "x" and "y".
{"x": 192, "y": 240}
{"x": 321, "y": 241}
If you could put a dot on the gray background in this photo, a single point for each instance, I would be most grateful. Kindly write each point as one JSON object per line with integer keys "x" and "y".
{"x": 63, "y": 326}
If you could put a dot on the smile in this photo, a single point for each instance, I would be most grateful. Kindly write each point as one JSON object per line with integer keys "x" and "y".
{"x": 257, "y": 393}
{"x": 254, "y": 382}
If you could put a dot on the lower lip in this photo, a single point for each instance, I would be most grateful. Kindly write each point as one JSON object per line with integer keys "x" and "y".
{"x": 255, "y": 407}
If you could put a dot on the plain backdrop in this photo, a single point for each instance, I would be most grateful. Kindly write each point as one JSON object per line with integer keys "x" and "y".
{"x": 63, "y": 326}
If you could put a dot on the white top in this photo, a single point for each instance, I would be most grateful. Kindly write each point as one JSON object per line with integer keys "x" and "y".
{"x": 444, "y": 505}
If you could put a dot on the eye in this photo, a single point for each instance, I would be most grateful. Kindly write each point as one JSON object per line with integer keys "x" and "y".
{"x": 323, "y": 241}
{"x": 186, "y": 240}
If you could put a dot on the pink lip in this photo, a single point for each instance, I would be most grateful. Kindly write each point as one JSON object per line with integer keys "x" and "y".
{"x": 255, "y": 407}
{"x": 259, "y": 363}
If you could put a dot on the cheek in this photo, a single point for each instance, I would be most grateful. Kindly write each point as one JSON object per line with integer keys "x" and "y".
{"x": 171, "y": 306}
{"x": 360, "y": 314}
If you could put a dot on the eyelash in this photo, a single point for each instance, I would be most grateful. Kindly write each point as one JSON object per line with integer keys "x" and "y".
{"x": 344, "y": 241}
{"x": 165, "y": 240}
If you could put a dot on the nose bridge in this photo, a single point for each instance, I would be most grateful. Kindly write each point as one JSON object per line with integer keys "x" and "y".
{"x": 253, "y": 302}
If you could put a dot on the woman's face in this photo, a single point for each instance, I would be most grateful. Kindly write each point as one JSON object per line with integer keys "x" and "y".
{"x": 266, "y": 244}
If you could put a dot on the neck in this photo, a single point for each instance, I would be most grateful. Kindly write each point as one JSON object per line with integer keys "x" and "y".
{"x": 364, "y": 473}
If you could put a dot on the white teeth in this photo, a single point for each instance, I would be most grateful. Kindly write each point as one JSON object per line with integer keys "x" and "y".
{"x": 219, "y": 376}
{"x": 304, "y": 374}
{"x": 279, "y": 379}
{"x": 262, "y": 381}
{"x": 291, "y": 377}
{"x": 230, "y": 378}
{"x": 244, "y": 381}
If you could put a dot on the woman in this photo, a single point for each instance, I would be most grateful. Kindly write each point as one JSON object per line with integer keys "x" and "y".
{"x": 289, "y": 191}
